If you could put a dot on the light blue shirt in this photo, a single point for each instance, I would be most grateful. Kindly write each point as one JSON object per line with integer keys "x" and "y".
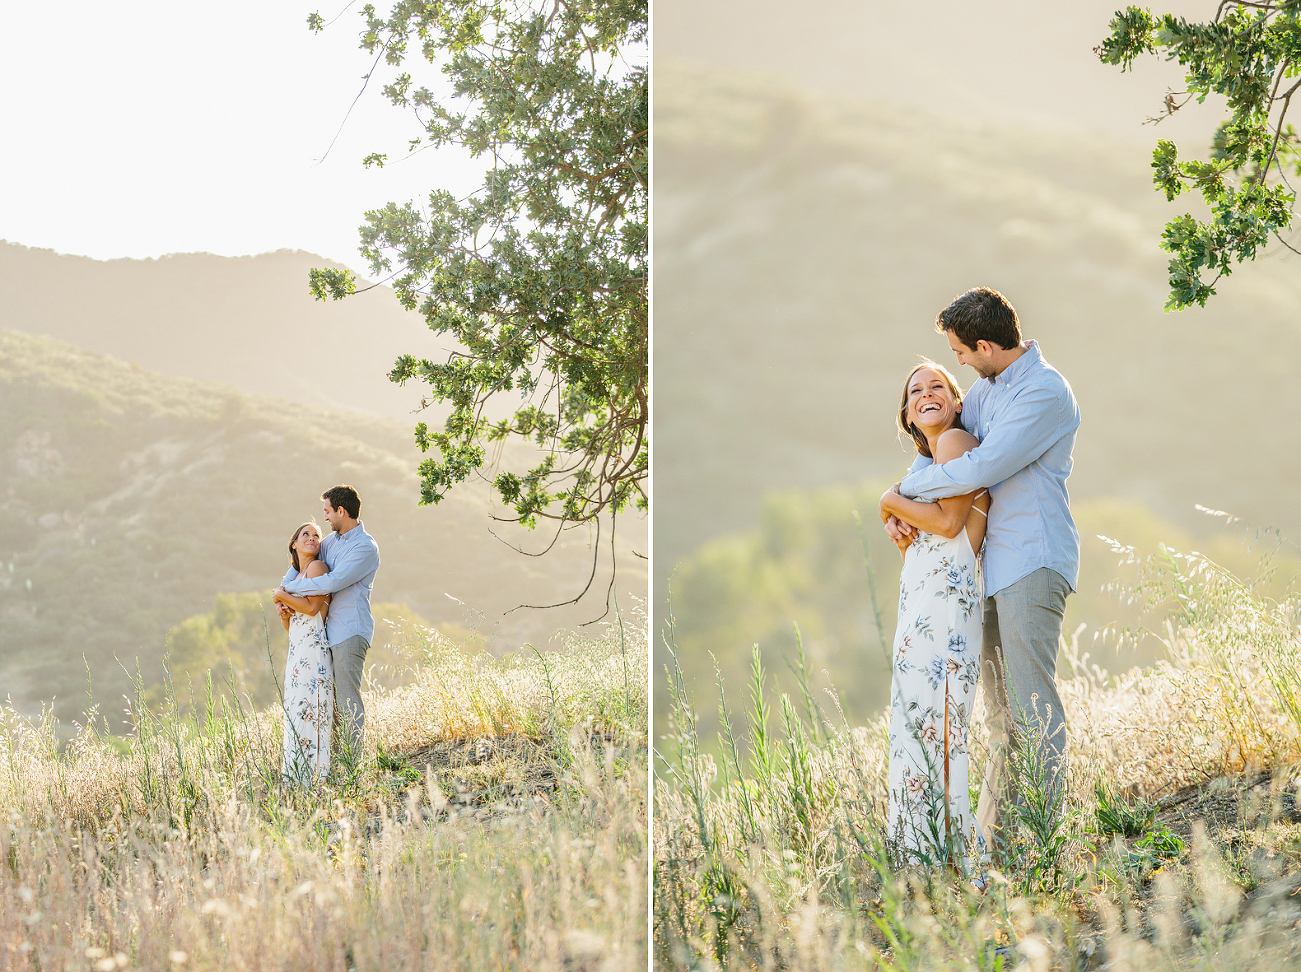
{"x": 1025, "y": 419}
{"x": 353, "y": 558}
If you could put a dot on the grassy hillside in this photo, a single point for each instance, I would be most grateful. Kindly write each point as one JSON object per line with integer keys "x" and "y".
{"x": 803, "y": 247}
{"x": 129, "y": 500}
{"x": 1175, "y": 842}
{"x": 497, "y": 819}
{"x": 804, "y": 564}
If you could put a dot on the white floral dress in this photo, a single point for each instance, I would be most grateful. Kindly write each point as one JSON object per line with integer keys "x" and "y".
{"x": 309, "y": 701}
{"x": 936, "y": 665}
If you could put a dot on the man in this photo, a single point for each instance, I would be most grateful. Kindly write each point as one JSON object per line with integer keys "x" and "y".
{"x": 1025, "y": 416}
{"x": 353, "y": 558}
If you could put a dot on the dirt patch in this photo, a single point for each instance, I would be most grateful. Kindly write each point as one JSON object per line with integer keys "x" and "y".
{"x": 1254, "y": 826}
{"x": 480, "y": 778}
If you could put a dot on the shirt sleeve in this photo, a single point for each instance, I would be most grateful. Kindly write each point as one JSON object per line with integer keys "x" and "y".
{"x": 352, "y": 565}
{"x": 1034, "y": 420}
{"x": 290, "y": 574}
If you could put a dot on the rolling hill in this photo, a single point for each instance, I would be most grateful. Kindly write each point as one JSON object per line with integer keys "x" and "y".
{"x": 803, "y": 245}
{"x": 246, "y": 321}
{"x": 129, "y": 499}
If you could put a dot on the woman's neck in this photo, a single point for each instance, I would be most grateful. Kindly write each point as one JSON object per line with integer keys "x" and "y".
{"x": 305, "y": 560}
{"x": 932, "y": 439}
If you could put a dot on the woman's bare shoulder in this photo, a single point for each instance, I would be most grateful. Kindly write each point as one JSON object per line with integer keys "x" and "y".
{"x": 316, "y": 568}
{"x": 955, "y": 442}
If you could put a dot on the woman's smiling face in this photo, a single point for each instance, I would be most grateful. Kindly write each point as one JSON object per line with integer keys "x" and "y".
{"x": 309, "y": 540}
{"x": 930, "y": 400}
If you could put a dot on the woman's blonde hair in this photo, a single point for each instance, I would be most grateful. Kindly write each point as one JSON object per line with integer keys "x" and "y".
{"x": 293, "y": 554}
{"x": 910, "y": 428}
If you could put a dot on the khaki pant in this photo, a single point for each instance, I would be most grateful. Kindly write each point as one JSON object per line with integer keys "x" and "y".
{"x": 349, "y": 658}
{"x": 1018, "y": 674}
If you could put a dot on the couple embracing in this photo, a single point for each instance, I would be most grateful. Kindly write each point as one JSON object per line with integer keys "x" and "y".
{"x": 990, "y": 554}
{"x": 324, "y": 604}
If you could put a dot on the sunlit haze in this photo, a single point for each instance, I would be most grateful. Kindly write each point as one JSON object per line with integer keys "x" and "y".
{"x": 143, "y": 128}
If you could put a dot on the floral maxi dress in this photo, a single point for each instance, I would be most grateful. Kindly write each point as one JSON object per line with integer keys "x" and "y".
{"x": 936, "y": 665}
{"x": 309, "y": 701}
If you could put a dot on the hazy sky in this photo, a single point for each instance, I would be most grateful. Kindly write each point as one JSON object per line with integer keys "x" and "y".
{"x": 1025, "y": 61}
{"x": 149, "y": 127}
{"x": 145, "y": 127}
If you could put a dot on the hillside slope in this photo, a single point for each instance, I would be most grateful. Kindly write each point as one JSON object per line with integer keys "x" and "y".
{"x": 129, "y": 499}
{"x": 803, "y": 247}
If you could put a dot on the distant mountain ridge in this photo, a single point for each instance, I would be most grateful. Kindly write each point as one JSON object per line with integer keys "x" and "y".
{"x": 129, "y": 499}
{"x": 246, "y": 321}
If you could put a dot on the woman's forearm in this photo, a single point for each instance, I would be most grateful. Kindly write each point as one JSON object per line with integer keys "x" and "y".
{"x": 304, "y": 605}
{"x": 945, "y": 517}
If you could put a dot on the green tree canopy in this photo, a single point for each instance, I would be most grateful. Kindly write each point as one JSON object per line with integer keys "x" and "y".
{"x": 541, "y": 274}
{"x": 1249, "y": 54}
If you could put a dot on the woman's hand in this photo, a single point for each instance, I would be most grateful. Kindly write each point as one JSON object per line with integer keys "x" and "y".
{"x": 945, "y": 517}
{"x": 309, "y": 605}
{"x": 899, "y": 531}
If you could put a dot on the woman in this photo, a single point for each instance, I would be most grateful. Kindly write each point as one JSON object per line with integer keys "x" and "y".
{"x": 309, "y": 673}
{"x": 938, "y": 639}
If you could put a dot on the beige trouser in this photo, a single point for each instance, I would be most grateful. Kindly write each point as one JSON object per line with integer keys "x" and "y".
{"x": 1018, "y": 669}
{"x": 349, "y": 658}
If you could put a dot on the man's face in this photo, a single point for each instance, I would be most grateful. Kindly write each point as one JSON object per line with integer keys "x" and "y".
{"x": 981, "y": 363}
{"x": 334, "y": 516}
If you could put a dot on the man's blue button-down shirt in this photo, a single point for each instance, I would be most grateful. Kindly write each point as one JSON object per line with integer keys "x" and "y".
{"x": 1025, "y": 419}
{"x": 353, "y": 558}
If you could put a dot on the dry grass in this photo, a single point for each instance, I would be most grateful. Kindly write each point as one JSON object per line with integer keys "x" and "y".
{"x": 772, "y": 856}
{"x": 497, "y": 819}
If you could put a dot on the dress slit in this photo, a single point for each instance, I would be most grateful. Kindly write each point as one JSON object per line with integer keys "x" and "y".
{"x": 948, "y": 823}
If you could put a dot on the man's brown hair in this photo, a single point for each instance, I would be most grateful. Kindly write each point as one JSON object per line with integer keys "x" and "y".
{"x": 981, "y": 314}
{"x": 344, "y": 496}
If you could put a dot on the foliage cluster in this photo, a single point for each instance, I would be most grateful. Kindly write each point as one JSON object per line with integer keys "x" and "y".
{"x": 242, "y": 645}
{"x": 805, "y": 562}
{"x": 1250, "y": 54}
{"x": 781, "y": 857}
{"x": 540, "y": 276}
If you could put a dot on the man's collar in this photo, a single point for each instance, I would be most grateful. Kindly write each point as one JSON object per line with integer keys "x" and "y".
{"x": 1019, "y": 367}
{"x": 358, "y": 529}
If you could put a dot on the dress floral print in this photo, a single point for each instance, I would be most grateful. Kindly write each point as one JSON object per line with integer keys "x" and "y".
{"x": 936, "y": 666}
{"x": 309, "y": 701}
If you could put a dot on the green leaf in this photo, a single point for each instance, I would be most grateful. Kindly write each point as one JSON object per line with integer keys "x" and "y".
{"x": 1244, "y": 56}
{"x": 336, "y": 284}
